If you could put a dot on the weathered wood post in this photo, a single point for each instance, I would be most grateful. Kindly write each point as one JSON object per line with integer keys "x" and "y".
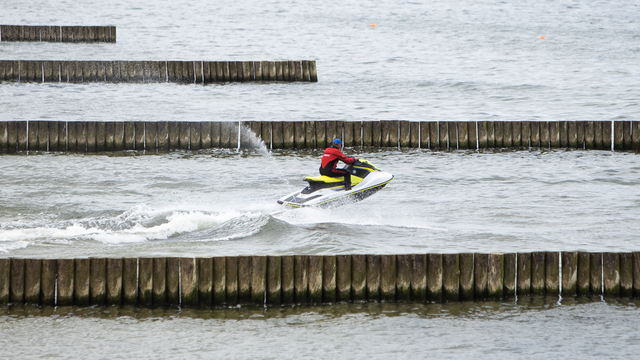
{"x": 301, "y": 278}
{"x": 595, "y": 263}
{"x": 145, "y": 281}
{"x": 16, "y": 293}
{"x": 287, "y": 297}
{"x": 538, "y": 273}
{"x": 98, "y": 281}
{"x": 237, "y": 279}
{"x": 231, "y": 280}
{"x": 130, "y": 281}
{"x": 481, "y": 276}
{"x": 626, "y": 274}
{"x": 189, "y": 282}
{"x": 403, "y": 278}
{"x": 466, "y": 276}
{"x": 66, "y": 274}
{"x": 82, "y": 282}
{"x": 244, "y": 272}
{"x": 388, "y": 274}
{"x": 329, "y": 279}
{"x": 205, "y": 282}
{"x": 552, "y": 273}
{"x": 343, "y": 278}
{"x": 509, "y": 281}
{"x": 636, "y": 273}
{"x": 569, "y": 273}
{"x": 496, "y": 275}
{"x": 359, "y": 278}
{"x": 173, "y": 281}
{"x": 274, "y": 280}
{"x": 48, "y": 282}
{"x": 373, "y": 277}
{"x": 611, "y": 273}
{"x": 583, "y": 286}
{"x": 114, "y": 281}
{"x": 434, "y": 277}
{"x": 259, "y": 280}
{"x": 450, "y": 277}
{"x": 418, "y": 277}
{"x": 524, "y": 274}
{"x": 32, "y": 281}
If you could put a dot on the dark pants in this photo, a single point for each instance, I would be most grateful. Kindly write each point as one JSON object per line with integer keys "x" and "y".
{"x": 337, "y": 173}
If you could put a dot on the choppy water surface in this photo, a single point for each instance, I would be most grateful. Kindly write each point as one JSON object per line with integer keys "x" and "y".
{"x": 435, "y": 60}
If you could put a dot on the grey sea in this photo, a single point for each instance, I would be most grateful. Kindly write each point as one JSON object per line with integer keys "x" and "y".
{"x": 422, "y": 61}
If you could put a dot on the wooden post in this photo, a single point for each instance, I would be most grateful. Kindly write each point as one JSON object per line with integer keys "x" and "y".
{"x": 376, "y": 133}
{"x": 482, "y": 135}
{"x": 232, "y": 278}
{"x": 388, "y": 274}
{"x": 194, "y": 135}
{"x": 274, "y": 280}
{"x": 466, "y": 274}
{"x": 174, "y": 135}
{"x": 259, "y": 280}
{"x": 129, "y": 136}
{"x": 491, "y": 135}
{"x": 434, "y": 277}
{"x": 367, "y": 133}
{"x": 330, "y": 131}
{"x": 321, "y": 136}
{"x": 635, "y": 135}
{"x": 54, "y": 133}
{"x": 598, "y": 135}
{"x": 463, "y": 135}
{"x": 82, "y": 282}
{"x": 554, "y": 135}
{"x": 315, "y": 279}
{"x": 416, "y": 135}
{"x": 173, "y": 281}
{"x": 220, "y": 280}
{"x": 563, "y": 130}
{"x": 22, "y": 135}
{"x": 313, "y": 75}
{"x": 205, "y": 282}
{"x": 516, "y": 134}
{"x": 611, "y": 273}
{"x": 163, "y": 136}
{"x": 432, "y": 141}
{"x": 145, "y": 281}
{"x": 509, "y": 282}
{"x": 329, "y": 279}
{"x": 139, "y": 135}
{"x": 538, "y": 273}
{"x": 287, "y": 297}
{"x": 498, "y": 138}
{"x": 301, "y": 278}
{"x": 636, "y": 274}
{"x": 32, "y": 281}
{"x": 244, "y": 270}
{"x": 130, "y": 281}
{"x": 189, "y": 282}
{"x": 418, "y": 277}
{"x": 359, "y": 277}
{"x": 524, "y": 274}
{"x": 184, "y": 137}
{"x": 278, "y": 141}
{"x": 552, "y": 273}
{"x": 150, "y": 135}
{"x": 544, "y": 135}
{"x": 450, "y": 277}
{"x": 299, "y": 135}
{"x": 48, "y": 282}
{"x": 405, "y": 133}
{"x": 569, "y": 273}
{"x": 583, "y": 286}
{"x": 66, "y": 272}
{"x": 589, "y": 135}
{"x": 595, "y": 263}
{"x": 443, "y": 131}
{"x": 618, "y": 135}
{"x": 496, "y": 275}
{"x": 534, "y": 133}
{"x": 394, "y": 136}
{"x": 403, "y": 278}
{"x": 626, "y": 274}
{"x": 118, "y": 136}
{"x": 626, "y": 135}
{"x": 98, "y": 281}
{"x": 481, "y": 276}
{"x": 343, "y": 278}
{"x": 114, "y": 281}
{"x": 373, "y": 277}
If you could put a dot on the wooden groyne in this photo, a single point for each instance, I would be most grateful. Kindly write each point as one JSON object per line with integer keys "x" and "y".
{"x": 52, "y": 33}
{"x": 183, "y": 72}
{"x": 16, "y": 136}
{"x": 316, "y": 279}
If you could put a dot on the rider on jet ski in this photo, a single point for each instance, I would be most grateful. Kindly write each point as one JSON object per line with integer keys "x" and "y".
{"x": 330, "y": 160}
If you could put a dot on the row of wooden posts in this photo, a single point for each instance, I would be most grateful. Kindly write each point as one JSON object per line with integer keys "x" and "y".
{"x": 316, "y": 279}
{"x": 16, "y": 136}
{"x": 58, "y": 33}
{"x": 184, "y": 72}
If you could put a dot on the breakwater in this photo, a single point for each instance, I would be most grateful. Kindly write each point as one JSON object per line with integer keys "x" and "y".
{"x": 164, "y": 136}
{"x": 316, "y": 279}
{"x": 184, "y": 72}
{"x": 52, "y": 33}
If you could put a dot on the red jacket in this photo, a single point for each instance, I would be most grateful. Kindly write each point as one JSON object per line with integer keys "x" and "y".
{"x": 331, "y": 157}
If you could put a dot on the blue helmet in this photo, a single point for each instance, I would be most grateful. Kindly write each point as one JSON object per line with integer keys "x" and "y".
{"x": 337, "y": 142}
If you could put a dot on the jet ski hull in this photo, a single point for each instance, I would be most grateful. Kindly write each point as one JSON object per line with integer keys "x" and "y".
{"x": 337, "y": 196}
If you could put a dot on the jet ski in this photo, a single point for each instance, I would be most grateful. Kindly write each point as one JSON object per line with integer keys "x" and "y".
{"x": 324, "y": 191}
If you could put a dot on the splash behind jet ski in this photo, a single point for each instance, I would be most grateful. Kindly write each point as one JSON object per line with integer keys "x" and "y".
{"x": 324, "y": 191}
